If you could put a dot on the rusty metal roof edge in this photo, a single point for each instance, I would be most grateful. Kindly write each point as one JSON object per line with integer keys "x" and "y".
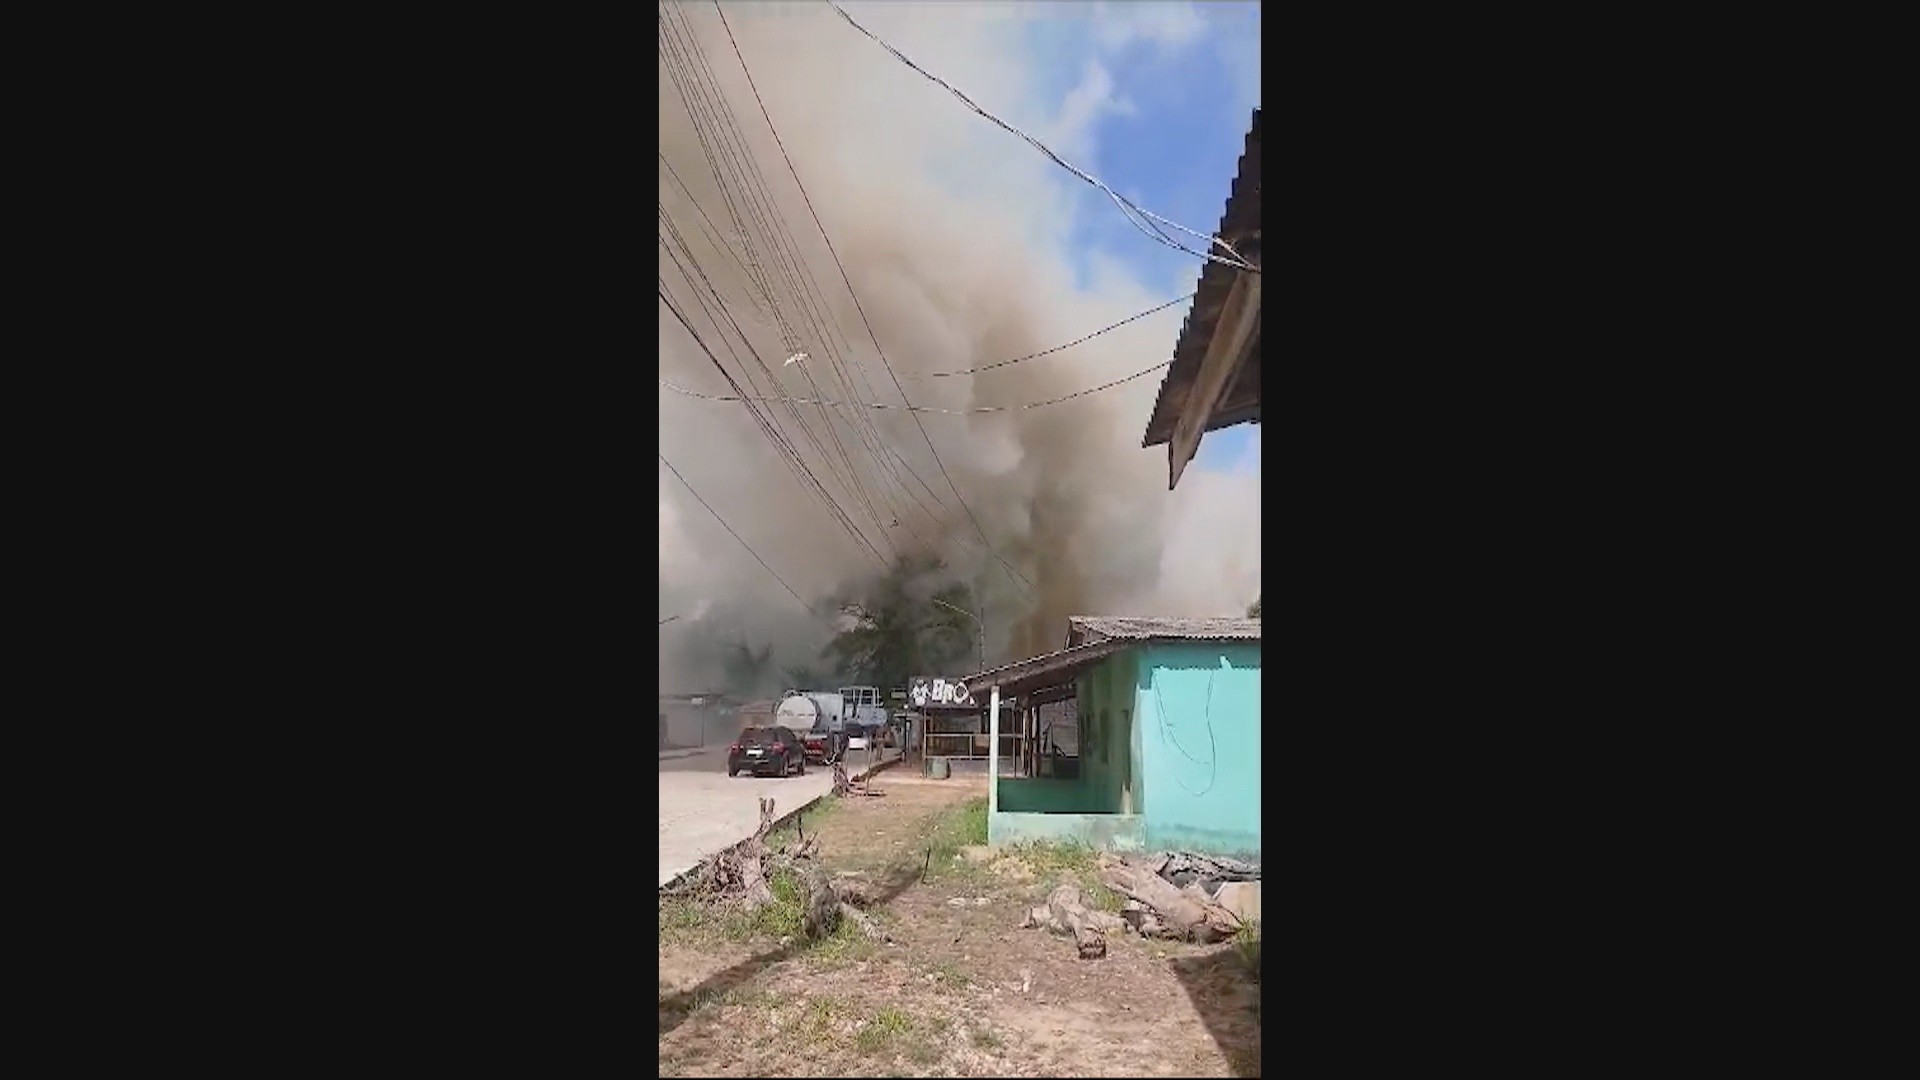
{"x": 1214, "y": 277}
{"x": 1043, "y": 664}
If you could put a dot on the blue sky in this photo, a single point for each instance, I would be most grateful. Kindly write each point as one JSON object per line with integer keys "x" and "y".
{"x": 1184, "y": 83}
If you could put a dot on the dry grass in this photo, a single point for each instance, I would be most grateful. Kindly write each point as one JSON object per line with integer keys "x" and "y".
{"x": 946, "y": 997}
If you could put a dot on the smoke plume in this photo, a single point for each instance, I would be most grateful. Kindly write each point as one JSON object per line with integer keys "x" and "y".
{"x": 955, "y": 236}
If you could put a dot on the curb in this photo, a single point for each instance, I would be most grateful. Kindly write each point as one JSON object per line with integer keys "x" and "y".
{"x": 781, "y": 820}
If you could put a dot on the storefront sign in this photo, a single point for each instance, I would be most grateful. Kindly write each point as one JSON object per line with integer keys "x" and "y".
{"x": 925, "y": 690}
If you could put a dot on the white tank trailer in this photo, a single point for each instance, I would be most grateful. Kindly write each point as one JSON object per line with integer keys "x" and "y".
{"x": 808, "y": 710}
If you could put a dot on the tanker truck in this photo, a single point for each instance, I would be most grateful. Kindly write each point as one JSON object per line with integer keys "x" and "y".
{"x": 817, "y": 717}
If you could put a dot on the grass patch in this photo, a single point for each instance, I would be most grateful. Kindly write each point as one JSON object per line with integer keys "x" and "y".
{"x": 948, "y": 831}
{"x": 1056, "y": 863}
{"x": 985, "y": 1039}
{"x": 844, "y": 946}
{"x": 711, "y": 999}
{"x": 788, "y": 834}
{"x": 820, "y": 1013}
{"x": 1246, "y": 942}
{"x": 950, "y": 973}
{"x": 693, "y": 921}
{"x": 888, "y": 1028}
{"x": 1049, "y": 858}
{"x": 782, "y": 917}
{"x": 956, "y": 828}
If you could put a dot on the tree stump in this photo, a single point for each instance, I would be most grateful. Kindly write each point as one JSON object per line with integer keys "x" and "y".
{"x": 751, "y": 857}
{"x": 1065, "y": 913}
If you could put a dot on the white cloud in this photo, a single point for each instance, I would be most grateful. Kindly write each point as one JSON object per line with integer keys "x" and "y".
{"x": 1169, "y": 26}
{"x": 1071, "y": 132}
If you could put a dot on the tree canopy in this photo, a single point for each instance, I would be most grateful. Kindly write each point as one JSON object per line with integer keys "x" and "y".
{"x": 900, "y": 631}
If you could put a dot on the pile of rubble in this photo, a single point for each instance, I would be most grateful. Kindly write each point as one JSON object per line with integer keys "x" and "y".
{"x": 1174, "y": 895}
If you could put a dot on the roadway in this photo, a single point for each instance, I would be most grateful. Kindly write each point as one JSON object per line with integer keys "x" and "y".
{"x": 704, "y": 811}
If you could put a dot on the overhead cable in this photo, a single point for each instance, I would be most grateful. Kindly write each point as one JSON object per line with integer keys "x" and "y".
{"x": 1128, "y": 208}
{"x": 790, "y": 267}
{"x": 736, "y": 536}
{"x": 750, "y": 207}
{"x": 1056, "y": 348}
{"x": 921, "y": 408}
{"x": 1008, "y": 568}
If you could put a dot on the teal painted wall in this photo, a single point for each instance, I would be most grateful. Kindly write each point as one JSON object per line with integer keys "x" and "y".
{"x": 1110, "y": 773}
{"x": 1170, "y": 745}
{"x": 1197, "y": 736}
{"x": 1047, "y": 796}
{"x": 1108, "y": 703}
{"x": 1107, "y": 832}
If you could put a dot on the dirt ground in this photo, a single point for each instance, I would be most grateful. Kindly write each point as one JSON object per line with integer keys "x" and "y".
{"x": 960, "y": 990}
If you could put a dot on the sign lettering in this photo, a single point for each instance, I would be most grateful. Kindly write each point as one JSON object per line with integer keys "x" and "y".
{"x": 924, "y": 690}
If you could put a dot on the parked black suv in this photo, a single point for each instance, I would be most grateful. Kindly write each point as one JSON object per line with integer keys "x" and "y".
{"x": 772, "y": 751}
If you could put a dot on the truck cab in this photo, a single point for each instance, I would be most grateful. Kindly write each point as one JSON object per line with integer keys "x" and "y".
{"x": 864, "y": 712}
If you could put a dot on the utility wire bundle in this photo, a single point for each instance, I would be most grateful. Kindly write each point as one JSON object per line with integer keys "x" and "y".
{"x": 781, "y": 290}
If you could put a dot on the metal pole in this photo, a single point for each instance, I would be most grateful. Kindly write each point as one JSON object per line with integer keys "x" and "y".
{"x": 981, "y": 622}
{"x": 981, "y": 637}
{"x": 993, "y": 761}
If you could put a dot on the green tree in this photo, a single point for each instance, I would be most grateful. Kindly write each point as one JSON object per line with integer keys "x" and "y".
{"x": 1253, "y": 609}
{"x": 899, "y": 631}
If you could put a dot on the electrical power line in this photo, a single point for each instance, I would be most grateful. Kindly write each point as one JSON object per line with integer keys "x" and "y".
{"x": 1134, "y": 214}
{"x": 788, "y": 452}
{"x": 694, "y": 78}
{"x": 1056, "y": 348}
{"x": 751, "y": 209}
{"x": 888, "y": 461}
{"x": 926, "y": 408}
{"x": 1012, "y": 573}
{"x": 862, "y": 422}
{"x": 735, "y": 535}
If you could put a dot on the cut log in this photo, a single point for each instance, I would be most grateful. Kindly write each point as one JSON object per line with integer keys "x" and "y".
{"x": 741, "y": 875}
{"x": 1144, "y": 922}
{"x": 820, "y": 906}
{"x": 751, "y": 856}
{"x": 1066, "y": 914}
{"x": 1189, "y": 913}
{"x": 864, "y": 921}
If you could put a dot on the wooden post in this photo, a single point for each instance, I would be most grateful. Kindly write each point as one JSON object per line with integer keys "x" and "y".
{"x": 993, "y": 752}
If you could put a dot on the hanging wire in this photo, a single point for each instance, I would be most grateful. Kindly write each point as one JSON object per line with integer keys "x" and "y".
{"x": 1056, "y": 348}
{"x": 917, "y": 408}
{"x": 1135, "y": 215}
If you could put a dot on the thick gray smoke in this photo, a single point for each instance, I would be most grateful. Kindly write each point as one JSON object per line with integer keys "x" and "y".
{"x": 954, "y": 235}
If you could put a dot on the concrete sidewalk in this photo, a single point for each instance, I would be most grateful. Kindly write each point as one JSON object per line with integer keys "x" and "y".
{"x": 703, "y": 813}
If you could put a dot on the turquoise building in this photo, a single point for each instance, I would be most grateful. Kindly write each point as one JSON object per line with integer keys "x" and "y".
{"x": 1169, "y": 739}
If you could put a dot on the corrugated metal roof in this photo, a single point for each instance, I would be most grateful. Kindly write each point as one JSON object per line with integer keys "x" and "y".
{"x": 1102, "y": 627}
{"x": 1240, "y": 225}
{"x": 1039, "y": 671}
